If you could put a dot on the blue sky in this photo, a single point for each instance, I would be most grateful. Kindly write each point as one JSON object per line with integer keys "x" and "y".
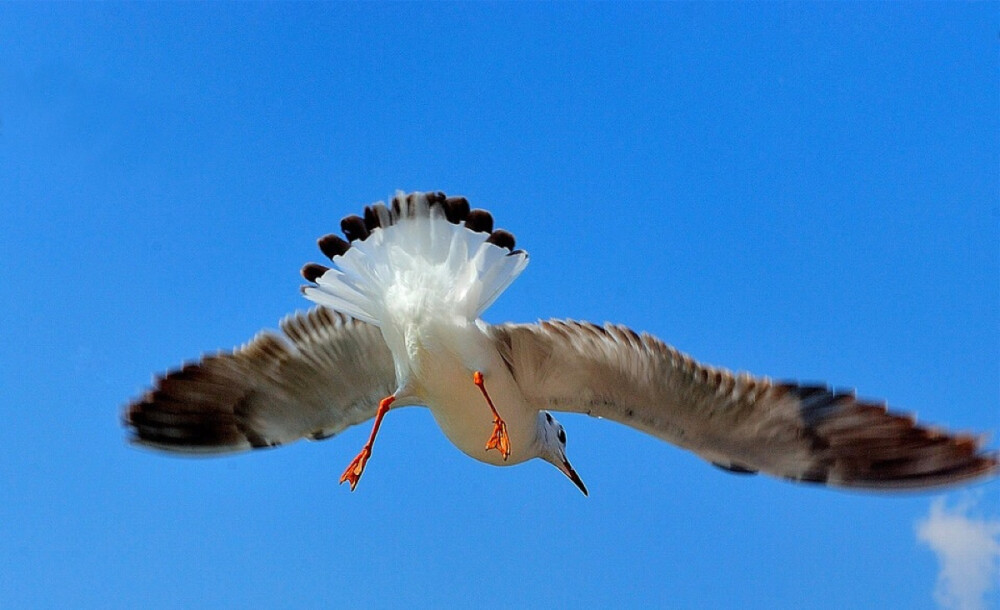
{"x": 801, "y": 191}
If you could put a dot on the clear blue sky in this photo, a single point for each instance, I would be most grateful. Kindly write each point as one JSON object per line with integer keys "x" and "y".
{"x": 801, "y": 191}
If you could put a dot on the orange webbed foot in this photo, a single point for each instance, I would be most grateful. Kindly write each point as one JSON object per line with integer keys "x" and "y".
{"x": 499, "y": 440}
{"x": 353, "y": 473}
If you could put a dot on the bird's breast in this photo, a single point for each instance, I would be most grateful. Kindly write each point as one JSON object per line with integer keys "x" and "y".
{"x": 443, "y": 366}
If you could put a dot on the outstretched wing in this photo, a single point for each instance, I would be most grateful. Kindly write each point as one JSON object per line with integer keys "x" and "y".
{"x": 326, "y": 373}
{"x": 738, "y": 422}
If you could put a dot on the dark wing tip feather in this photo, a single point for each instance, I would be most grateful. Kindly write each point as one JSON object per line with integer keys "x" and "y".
{"x": 191, "y": 410}
{"x": 480, "y": 221}
{"x": 865, "y": 445}
{"x": 354, "y": 228}
{"x": 501, "y": 238}
{"x": 455, "y": 209}
{"x": 313, "y": 271}
{"x": 200, "y": 408}
{"x": 333, "y": 245}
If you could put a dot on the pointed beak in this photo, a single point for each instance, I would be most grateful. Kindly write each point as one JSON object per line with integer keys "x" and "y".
{"x": 567, "y": 470}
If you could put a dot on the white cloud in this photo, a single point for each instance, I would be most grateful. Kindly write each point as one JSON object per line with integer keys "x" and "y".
{"x": 968, "y": 550}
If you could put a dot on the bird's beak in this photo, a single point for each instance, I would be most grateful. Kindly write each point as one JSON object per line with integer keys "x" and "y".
{"x": 567, "y": 470}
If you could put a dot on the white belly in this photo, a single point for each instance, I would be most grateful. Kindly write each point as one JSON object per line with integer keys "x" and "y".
{"x": 443, "y": 380}
{"x": 467, "y": 421}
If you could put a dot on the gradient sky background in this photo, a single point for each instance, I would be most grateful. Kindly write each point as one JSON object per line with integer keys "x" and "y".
{"x": 801, "y": 191}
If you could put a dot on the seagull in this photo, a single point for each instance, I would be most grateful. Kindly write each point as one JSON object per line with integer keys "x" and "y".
{"x": 398, "y": 323}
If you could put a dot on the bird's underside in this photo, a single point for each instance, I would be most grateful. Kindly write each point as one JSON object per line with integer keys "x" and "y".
{"x": 328, "y": 372}
{"x": 409, "y": 284}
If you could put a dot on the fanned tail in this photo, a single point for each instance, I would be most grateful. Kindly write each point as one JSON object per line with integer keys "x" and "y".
{"x": 423, "y": 252}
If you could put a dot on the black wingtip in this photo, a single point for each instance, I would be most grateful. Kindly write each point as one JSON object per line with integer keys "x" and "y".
{"x": 333, "y": 245}
{"x": 313, "y": 271}
{"x": 354, "y": 228}
{"x": 501, "y": 238}
{"x": 480, "y": 221}
{"x": 456, "y": 209}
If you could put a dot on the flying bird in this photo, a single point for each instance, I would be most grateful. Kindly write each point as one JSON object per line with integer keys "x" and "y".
{"x": 398, "y": 323}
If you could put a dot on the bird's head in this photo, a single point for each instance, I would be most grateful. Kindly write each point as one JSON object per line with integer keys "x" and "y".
{"x": 552, "y": 437}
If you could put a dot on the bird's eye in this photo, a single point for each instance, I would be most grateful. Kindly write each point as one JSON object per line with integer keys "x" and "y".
{"x": 548, "y": 416}
{"x": 562, "y": 436}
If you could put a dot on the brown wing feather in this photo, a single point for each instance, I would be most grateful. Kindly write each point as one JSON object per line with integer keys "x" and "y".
{"x": 325, "y": 374}
{"x": 738, "y": 422}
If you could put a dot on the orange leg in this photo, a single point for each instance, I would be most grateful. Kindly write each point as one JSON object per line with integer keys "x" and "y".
{"x": 353, "y": 472}
{"x": 499, "y": 440}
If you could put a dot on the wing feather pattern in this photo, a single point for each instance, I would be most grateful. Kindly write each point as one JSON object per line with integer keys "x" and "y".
{"x": 738, "y": 422}
{"x": 327, "y": 372}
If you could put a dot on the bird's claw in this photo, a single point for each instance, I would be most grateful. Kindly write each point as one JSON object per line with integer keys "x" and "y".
{"x": 353, "y": 473}
{"x": 499, "y": 440}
